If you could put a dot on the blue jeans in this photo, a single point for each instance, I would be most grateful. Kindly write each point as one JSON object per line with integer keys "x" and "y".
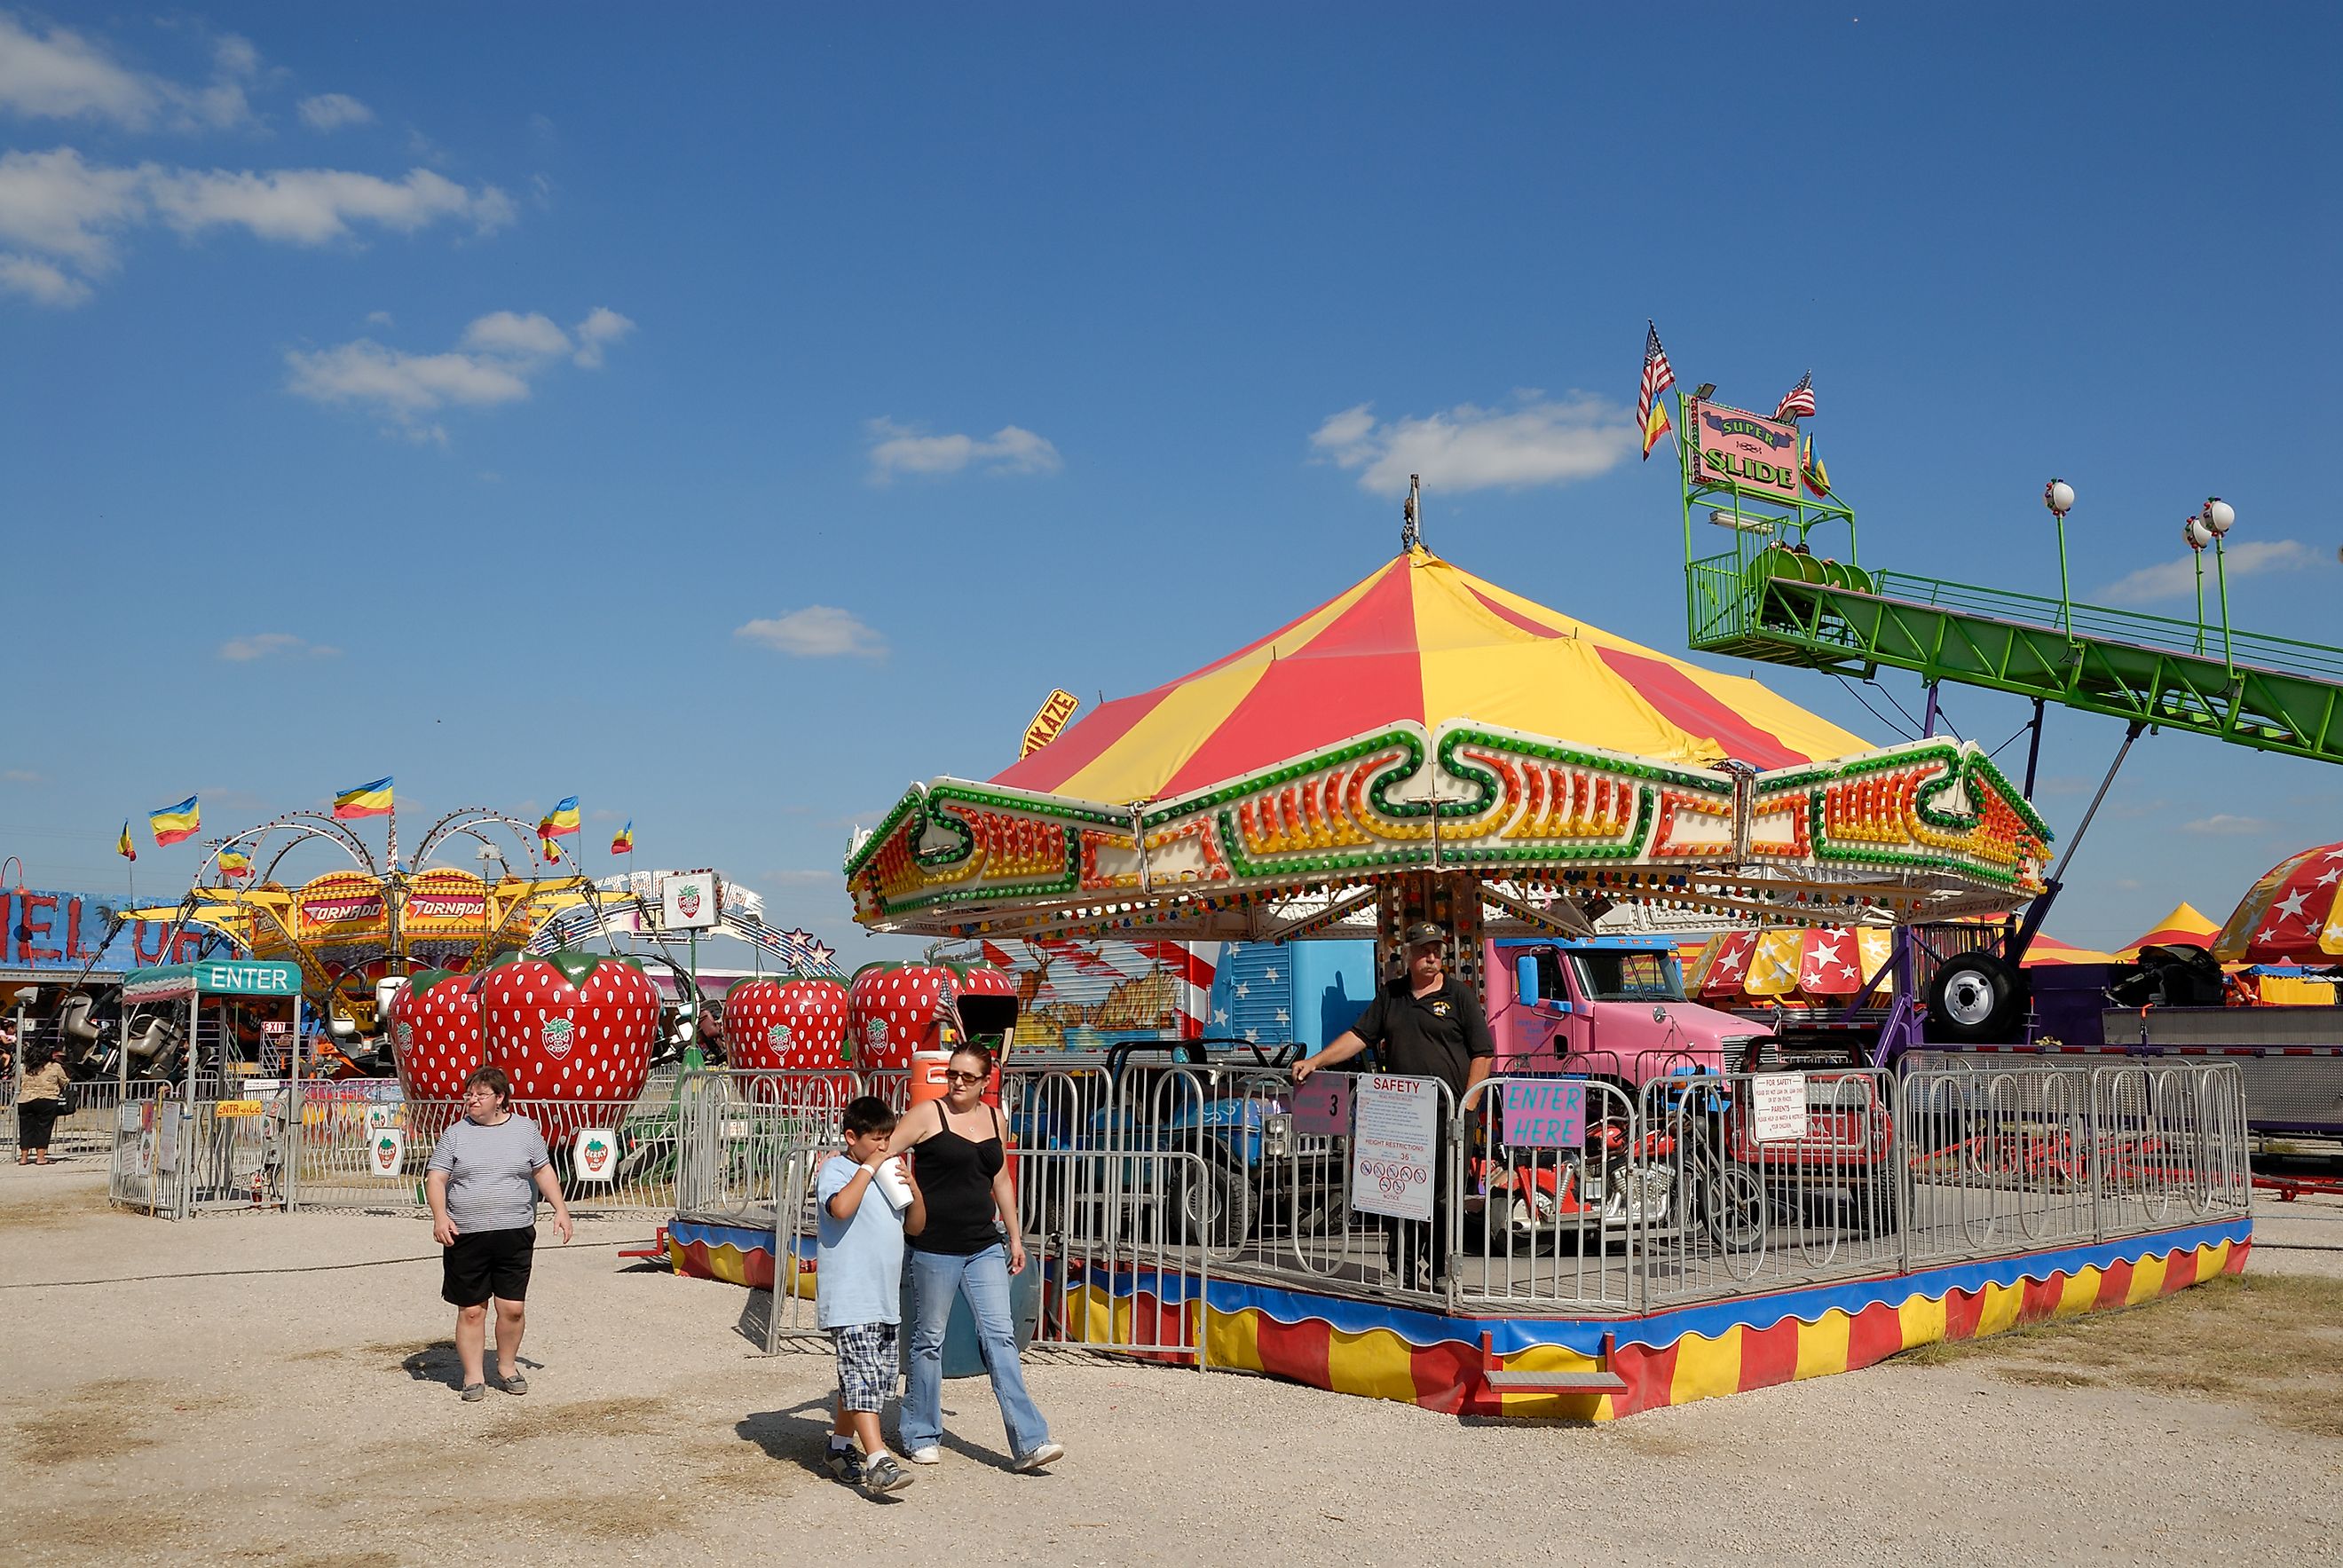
{"x": 983, "y": 1279}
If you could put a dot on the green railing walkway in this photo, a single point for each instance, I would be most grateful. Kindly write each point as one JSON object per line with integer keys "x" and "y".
{"x": 1783, "y": 606}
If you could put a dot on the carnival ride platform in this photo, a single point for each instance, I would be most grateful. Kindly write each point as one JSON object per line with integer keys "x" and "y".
{"x": 1599, "y": 1325}
{"x": 1348, "y": 1332}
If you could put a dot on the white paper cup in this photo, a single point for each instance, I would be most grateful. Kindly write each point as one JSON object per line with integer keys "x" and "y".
{"x": 894, "y": 1185}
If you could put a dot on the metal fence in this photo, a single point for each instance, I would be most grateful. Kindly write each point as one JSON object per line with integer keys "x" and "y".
{"x": 90, "y": 1129}
{"x": 358, "y": 1145}
{"x": 1138, "y": 1182}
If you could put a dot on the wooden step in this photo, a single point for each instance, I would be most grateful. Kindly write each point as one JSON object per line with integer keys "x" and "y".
{"x": 1594, "y": 1379}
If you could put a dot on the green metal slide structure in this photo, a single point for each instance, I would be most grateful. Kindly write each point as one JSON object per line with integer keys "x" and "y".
{"x": 1770, "y": 598}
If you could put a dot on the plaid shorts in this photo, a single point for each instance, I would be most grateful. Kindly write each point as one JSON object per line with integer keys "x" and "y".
{"x": 867, "y": 1363}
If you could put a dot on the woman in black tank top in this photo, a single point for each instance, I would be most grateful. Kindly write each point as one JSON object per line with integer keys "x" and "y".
{"x": 969, "y": 1245}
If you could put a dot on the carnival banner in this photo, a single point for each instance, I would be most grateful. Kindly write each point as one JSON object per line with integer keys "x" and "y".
{"x": 42, "y": 928}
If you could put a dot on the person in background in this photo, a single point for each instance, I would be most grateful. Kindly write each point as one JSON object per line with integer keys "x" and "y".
{"x": 858, "y": 1293}
{"x": 971, "y": 1206}
{"x": 486, "y": 1174}
{"x": 40, "y": 1098}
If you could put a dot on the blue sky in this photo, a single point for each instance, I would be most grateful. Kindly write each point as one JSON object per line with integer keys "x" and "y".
{"x": 729, "y": 422}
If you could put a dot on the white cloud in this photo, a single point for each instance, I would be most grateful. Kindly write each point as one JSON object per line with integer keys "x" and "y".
{"x": 2178, "y": 580}
{"x": 332, "y": 111}
{"x": 816, "y": 631}
{"x": 903, "y": 450}
{"x": 61, "y": 75}
{"x": 21, "y": 775}
{"x": 381, "y": 318}
{"x": 530, "y": 336}
{"x": 57, "y": 208}
{"x": 2223, "y": 825}
{"x": 55, "y": 204}
{"x": 602, "y": 328}
{"x": 497, "y": 360}
{"x": 1538, "y": 440}
{"x": 399, "y": 383}
{"x": 273, "y": 645}
{"x": 40, "y": 281}
{"x": 310, "y": 207}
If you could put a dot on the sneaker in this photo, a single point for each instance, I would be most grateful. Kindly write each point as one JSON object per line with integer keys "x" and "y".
{"x": 930, "y": 1454}
{"x": 1047, "y": 1454}
{"x": 846, "y": 1463}
{"x": 884, "y": 1476}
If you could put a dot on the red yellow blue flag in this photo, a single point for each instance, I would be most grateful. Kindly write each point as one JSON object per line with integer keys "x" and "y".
{"x": 173, "y": 823}
{"x": 561, "y": 821}
{"x": 364, "y": 800}
{"x": 122, "y": 846}
{"x": 233, "y": 864}
{"x": 622, "y": 842}
{"x": 1811, "y": 472}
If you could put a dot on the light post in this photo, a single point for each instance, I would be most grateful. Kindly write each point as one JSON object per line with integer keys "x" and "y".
{"x": 2194, "y": 532}
{"x": 2059, "y": 497}
{"x": 2217, "y": 516}
{"x": 489, "y": 854}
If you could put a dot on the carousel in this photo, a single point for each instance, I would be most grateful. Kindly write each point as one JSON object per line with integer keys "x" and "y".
{"x": 1428, "y": 746}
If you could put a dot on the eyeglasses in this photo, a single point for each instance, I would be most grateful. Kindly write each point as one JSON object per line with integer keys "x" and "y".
{"x": 952, "y": 1077}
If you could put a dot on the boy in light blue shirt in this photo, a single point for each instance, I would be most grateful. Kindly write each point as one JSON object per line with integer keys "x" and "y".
{"x": 858, "y": 1290}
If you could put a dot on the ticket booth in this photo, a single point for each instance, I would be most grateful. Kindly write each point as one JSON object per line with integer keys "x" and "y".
{"x": 218, "y": 1036}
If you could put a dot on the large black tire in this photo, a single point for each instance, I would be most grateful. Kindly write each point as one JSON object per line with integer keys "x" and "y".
{"x": 1213, "y": 1205}
{"x": 1879, "y": 1202}
{"x": 1975, "y": 998}
{"x": 1731, "y": 1202}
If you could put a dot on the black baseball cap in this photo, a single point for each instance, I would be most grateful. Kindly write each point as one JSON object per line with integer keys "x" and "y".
{"x": 1423, "y": 933}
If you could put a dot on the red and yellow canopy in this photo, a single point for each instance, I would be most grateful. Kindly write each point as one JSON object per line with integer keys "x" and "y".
{"x": 2186, "y": 926}
{"x": 1423, "y": 641}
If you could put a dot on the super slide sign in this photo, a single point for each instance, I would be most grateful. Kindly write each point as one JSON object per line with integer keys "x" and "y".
{"x": 1734, "y": 446}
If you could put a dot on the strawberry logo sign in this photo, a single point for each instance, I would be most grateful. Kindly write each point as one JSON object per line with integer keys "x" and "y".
{"x": 793, "y": 1023}
{"x": 897, "y": 1008}
{"x": 574, "y": 1029}
{"x": 597, "y": 1152}
{"x": 402, "y": 1035}
{"x": 387, "y": 1151}
{"x": 687, "y": 898}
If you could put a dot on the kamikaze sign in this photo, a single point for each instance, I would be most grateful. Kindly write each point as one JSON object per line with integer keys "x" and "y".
{"x": 1734, "y": 446}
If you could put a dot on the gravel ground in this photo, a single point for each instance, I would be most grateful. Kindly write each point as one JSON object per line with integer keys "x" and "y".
{"x": 306, "y": 1415}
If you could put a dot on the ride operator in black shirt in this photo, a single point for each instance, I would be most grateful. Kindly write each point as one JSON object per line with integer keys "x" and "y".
{"x": 1426, "y": 1024}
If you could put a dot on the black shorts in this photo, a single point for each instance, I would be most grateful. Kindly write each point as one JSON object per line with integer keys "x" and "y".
{"x": 485, "y": 1263}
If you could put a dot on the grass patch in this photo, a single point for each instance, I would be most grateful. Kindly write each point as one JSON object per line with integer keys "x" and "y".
{"x": 635, "y": 1417}
{"x": 100, "y": 1421}
{"x": 599, "y": 1516}
{"x": 2271, "y": 1342}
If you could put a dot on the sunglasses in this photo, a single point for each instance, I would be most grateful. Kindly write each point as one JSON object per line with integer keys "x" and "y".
{"x": 952, "y": 1077}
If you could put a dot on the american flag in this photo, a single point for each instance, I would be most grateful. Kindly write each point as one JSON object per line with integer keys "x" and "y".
{"x": 1800, "y": 402}
{"x": 1658, "y": 377}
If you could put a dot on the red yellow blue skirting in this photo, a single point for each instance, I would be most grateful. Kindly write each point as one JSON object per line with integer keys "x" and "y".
{"x": 1665, "y": 1358}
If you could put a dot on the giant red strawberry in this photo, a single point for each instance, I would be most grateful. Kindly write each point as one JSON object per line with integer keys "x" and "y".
{"x": 791, "y": 1021}
{"x": 574, "y": 1029}
{"x": 893, "y": 1009}
{"x": 435, "y": 1039}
